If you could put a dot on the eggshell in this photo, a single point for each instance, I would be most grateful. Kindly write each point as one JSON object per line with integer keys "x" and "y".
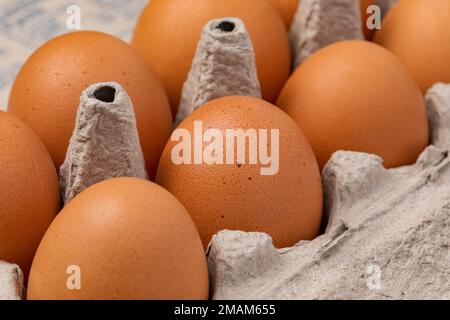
{"x": 168, "y": 31}
{"x": 287, "y": 205}
{"x": 357, "y": 96}
{"x": 47, "y": 90}
{"x": 29, "y": 196}
{"x": 124, "y": 238}
{"x": 418, "y": 32}
{"x": 288, "y": 8}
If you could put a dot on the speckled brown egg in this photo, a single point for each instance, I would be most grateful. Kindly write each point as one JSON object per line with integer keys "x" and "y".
{"x": 168, "y": 31}
{"x": 288, "y": 8}
{"x": 234, "y": 193}
{"x": 418, "y": 32}
{"x": 123, "y": 238}
{"x": 46, "y": 92}
{"x": 29, "y": 196}
{"x": 357, "y": 96}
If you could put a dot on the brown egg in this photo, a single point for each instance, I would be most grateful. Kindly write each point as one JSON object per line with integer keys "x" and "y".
{"x": 235, "y": 192}
{"x": 288, "y": 8}
{"x": 29, "y": 196}
{"x": 418, "y": 32}
{"x": 123, "y": 238}
{"x": 46, "y": 92}
{"x": 356, "y": 95}
{"x": 168, "y": 32}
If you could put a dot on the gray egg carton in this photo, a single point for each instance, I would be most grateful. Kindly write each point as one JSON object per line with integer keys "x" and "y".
{"x": 11, "y": 282}
{"x": 105, "y": 125}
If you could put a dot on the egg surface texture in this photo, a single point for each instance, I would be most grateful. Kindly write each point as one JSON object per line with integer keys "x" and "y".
{"x": 123, "y": 238}
{"x": 168, "y": 31}
{"x": 47, "y": 90}
{"x": 29, "y": 195}
{"x": 288, "y": 8}
{"x": 418, "y": 32}
{"x": 357, "y": 96}
{"x": 236, "y": 193}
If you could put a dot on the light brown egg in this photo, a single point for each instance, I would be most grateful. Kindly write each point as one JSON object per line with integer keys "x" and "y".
{"x": 46, "y": 92}
{"x": 123, "y": 238}
{"x": 357, "y": 96}
{"x": 168, "y": 31}
{"x": 288, "y": 8}
{"x": 418, "y": 32}
{"x": 237, "y": 195}
{"x": 29, "y": 196}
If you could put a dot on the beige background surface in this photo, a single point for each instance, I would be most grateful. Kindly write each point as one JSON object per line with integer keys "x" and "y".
{"x": 27, "y": 24}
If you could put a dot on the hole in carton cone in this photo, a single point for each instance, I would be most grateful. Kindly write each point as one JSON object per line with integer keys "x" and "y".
{"x": 105, "y": 94}
{"x": 226, "y": 26}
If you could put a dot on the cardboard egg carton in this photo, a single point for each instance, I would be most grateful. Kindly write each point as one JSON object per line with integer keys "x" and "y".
{"x": 11, "y": 282}
{"x": 224, "y": 64}
{"x": 319, "y": 23}
{"x": 105, "y": 125}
